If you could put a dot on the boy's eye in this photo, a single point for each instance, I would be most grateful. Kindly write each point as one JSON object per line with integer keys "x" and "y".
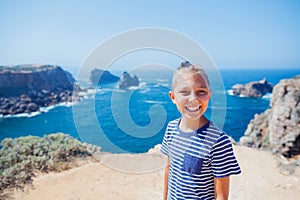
{"x": 202, "y": 92}
{"x": 184, "y": 92}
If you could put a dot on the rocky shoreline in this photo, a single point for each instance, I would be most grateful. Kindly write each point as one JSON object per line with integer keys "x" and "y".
{"x": 29, "y": 104}
{"x": 27, "y": 88}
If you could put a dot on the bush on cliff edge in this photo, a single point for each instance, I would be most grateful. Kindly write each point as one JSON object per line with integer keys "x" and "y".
{"x": 20, "y": 158}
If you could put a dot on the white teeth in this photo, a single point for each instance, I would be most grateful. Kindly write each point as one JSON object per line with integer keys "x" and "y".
{"x": 193, "y": 108}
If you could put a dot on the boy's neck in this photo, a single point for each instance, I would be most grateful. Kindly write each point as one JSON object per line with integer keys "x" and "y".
{"x": 188, "y": 125}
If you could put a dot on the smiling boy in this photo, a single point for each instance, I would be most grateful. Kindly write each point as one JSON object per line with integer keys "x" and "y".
{"x": 200, "y": 155}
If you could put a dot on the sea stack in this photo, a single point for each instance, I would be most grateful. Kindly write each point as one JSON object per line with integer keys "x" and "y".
{"x": 278, "y": 128}
{"x": 99, "y": 77}
{"x": 253, "y": 89}
{"x": 127, "y": 81}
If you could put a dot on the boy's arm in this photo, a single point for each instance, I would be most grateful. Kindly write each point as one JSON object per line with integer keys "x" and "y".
{"x": 166, "y": 180}
{"x": 221, "y": 188}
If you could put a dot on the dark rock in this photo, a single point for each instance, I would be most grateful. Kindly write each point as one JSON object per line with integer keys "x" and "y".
{"x": 127, "y": 81}
{"x": 69, "y": 77}
{"x": 253, "y": 89}
{"x": 20, "y": 80}
{"x": 32, "y": 107}
{"x": 19, "y": 110}
{"x": 99, "y": 76}
{"x": 278, "y": 128}
{"x": 26, "y": 88}
{"x": 21, "y": 105}
{"x": 4, "y": 112}
{"x": 6, "y": 106}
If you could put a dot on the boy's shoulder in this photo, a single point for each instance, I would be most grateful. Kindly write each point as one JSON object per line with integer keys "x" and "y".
{"x": 214, "y": 127}
{"x": 173, "y": 123}
{"x": 223, "y": 137}
{"x": 219, "y": 134}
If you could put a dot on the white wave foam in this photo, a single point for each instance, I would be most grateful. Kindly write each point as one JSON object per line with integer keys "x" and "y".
{"x": 142, "y": 84}
{"x": 230, "y": 92}
{"x": 133, "y": 87}
{"x": 21, "y": 115}
{"x": 162, "y": 80}
{"x": 42, "y": 110}
{"x": 103, "y": 90}
{"x": 145, "y": 90}
{"x": 33, "y": 114}
{"x": 267, "y": 96}
{"x": 161, "y": 85}
{"x": 154, "y": 102}
{"x": 91, "y": 91}
{"x": 119, "y": 90}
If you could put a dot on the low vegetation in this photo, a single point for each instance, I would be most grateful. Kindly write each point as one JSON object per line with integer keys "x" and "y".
{"x": 22, "y": 157}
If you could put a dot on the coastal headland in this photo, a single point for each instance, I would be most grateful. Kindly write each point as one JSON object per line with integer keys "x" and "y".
{"x": 27, "y": 88}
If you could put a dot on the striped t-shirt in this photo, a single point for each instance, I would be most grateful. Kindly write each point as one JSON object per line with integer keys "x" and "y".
{"x": 195, "y": 159}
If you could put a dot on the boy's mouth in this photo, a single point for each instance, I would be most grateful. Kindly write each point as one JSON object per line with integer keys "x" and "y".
{"x": 193, "y": 108}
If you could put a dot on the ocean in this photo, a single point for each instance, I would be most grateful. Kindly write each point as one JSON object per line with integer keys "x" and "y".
{"x": 134, "y": 120}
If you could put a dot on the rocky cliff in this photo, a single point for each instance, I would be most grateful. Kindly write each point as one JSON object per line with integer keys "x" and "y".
{"x": 15, "y": 81}
{"x": 99, "y": 76}
{"x": 278, "y": 128}
{"x": 253, "y": 89}
{"x": 26, "y": 88}
{"x": 127, "y": 81}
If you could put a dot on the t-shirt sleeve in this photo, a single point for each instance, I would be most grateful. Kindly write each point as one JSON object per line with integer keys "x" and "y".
{"x": 224, "y": 162}
{"x": 165, "y": 144}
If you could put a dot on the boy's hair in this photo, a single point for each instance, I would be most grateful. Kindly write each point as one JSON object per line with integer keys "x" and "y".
{"x": 186, "y": 66}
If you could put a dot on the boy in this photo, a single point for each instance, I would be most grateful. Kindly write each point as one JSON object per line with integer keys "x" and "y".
{"x": 200, "y": 156}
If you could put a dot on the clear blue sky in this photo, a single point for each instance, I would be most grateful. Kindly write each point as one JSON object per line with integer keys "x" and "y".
{"x": 236, "y": 34}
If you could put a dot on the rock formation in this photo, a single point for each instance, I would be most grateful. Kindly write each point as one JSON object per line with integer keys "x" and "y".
{"x": 127, "y": 81}
{"x": 253, "y": 89}
{"x": 99, "y": 76}
{"x": 278, "y": 128}
{"x": 26, "y": 88}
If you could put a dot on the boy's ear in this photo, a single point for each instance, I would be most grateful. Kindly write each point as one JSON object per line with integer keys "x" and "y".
{"x": 209, "y": 93}
{"x": 172, "y": 97}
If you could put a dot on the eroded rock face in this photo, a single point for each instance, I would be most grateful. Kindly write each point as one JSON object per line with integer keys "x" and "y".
{"x": 253, "y": 89}
{"x": 278, "y": 128}
{"x": 15, "y": 81}
{"x": 99, "y": 77}
{"x": 127, "y": 81}
{"x": 26, "y": 88}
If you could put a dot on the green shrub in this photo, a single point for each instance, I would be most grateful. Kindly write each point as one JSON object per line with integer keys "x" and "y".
{"x": 20, "y": 158}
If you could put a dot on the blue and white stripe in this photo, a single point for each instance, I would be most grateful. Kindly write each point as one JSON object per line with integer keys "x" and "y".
{"x": 195, "y": 159}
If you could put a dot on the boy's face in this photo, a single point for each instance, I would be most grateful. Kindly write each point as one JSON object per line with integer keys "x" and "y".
{"x": 191, "y": 94}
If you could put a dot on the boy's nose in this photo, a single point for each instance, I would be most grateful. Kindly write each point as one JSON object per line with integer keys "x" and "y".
{"x": 192, "y": 96}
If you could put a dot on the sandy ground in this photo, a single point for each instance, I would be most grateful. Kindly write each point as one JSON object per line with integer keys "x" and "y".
{"x": 130, "y": 177}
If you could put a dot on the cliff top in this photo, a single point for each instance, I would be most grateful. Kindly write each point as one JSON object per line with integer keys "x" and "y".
{"x": 26, "y": 68}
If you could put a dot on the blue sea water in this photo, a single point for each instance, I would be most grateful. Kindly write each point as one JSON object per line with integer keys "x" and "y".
{"x": 134, "y": 120}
